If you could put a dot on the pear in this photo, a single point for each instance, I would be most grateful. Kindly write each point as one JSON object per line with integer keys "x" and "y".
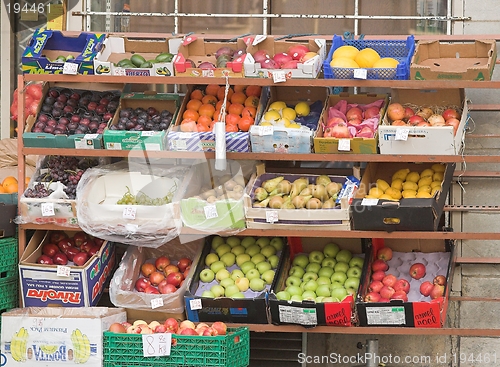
{"x": 333, "y": 188}
{"x": 329, "y": 204}
{"x": 297, "y": 186}
{"x": 300, "y": 201}
{"x": 320, "y": 192}
{"x": 323, "y": 180}
{"x": 283, "y": 187}
{"x": 271, "y": 184}
{"x": 219, "y": 190}
{"x": 260, "y": 194}
{"x": 208, "y": 193}
{"x": 288, "y": 205}
{"x": 238, "y": 188}
{"x": 229, "y": 185}
{"x": 261, "y": 204}
{"x": 276, "y": 202}
{"x": 314, "y": 203}
{"x": 307, "y": 191}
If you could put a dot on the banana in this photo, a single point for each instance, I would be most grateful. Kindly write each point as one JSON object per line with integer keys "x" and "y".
{"x": 14, "y": 347}
{"x": 86, "y": 349}
{"x": 24, "y": 342}
{"x": 78, "y": 343}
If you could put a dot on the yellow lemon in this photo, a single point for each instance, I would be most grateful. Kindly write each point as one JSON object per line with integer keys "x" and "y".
{"x": 283, "y": 121}
{"x": 409, "y": 194}
{"x": 434, "y": 190}
{"x": 344, "y": 62}
{"x": 427, "y": 172}
{"x": 302, "y": 109}
{"x": 294, "y": 125}
{"x": 387, "y": 197}
{"x": 438, "y": 176}
{"x": 438, "y": 167}
{"x": 265, "y": 123}
{"x": 423, "y": 195}
{"x": 386, "y": 63}
{"x": 289, "y": 113}
{"x": 425, "y": 188}
{"x": 436, "y": 184}
{"x": 413, "y": 177}
{"x": 277, "y": 106}
{"x": 397, "y": 184}
{"x": 348, "y": 52}
{"x": 425, "y": 181}
{"x": 382, "y": 185}
{"x": 392, "y": 192}
{"x": 271, "y": 116}
{"x": 370, "y": 197}
{"x": 366, "y": 58}
{"x": 375, "y": 192}
{"x": 401, "y": 174}
{"x": 410, "y": 185}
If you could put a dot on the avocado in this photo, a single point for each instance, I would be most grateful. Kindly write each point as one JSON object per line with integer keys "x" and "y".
{"x": 124, "y": 61}
{"x": 146, "y": 64}
{"x": 137, "y": 60}
{"x": 164, "y": 57}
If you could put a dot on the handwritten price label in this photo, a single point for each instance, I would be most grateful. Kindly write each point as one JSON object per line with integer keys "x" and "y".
{"x": 271, "y": 216}
{"x": 279, "y": 77}
{"x": 63, "y": 271}
{"x": 195, "y": 304}
{"x": 47, "y": 209}
{"x": 70, "y": 68}
{"x": 148, "y": 133}
{"x": 129, "y": 212}
{"x": 266, "y": 130}
{"x": 211, "y": 211}
{"x": 402, "y": 134}
{"x": 369, "y": 202}
{"x": 344, "y": 145}
{"x": 360, "y": 74}
{"x": 156, "y": 345}
{"x": 156, "y": 302}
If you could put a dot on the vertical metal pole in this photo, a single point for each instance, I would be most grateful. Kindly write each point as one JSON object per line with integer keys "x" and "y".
{"x": 6, "y": 70}
{"x": 108, "y": 17}
{"x": 88, "y": 8}
{"x": 265, "y": 10}
{"x": 356, "y": 20}
{"x": 176, "y": 18}
{"x": 448, "y": 15}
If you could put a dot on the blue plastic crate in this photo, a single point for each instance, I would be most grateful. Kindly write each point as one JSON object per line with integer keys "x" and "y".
{"x": 399, "y": 50}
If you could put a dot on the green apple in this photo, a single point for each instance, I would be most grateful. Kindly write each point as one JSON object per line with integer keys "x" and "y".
{"x": 237, "y": 273}
{"x": 207, "y": 275}
{"x": 258, "y": 258}
{"x": 211, "y": 258}
{"x": 296, "y": 271}
{"x": 357, "y": 261}
{"x": 233, "y": 241}
{"x": 310, "y": 285}
{"x": 294, "y": 290}
{"x": 296, "y": 298}
{"x": 246, "y": 266}
{"x": 228, "y": 258}
{"x": 331, "y": 249}
{"x": 268, "y": 276}
{"x": 352, "y": 292}
{"x": 334, "y": 285}
{"x": 242, "y": 283}
{"x": 238, "y": 250}
{"x": 308, "y": 296}
{"x": 283, "y": 296}
{"x": 222, "y": 249}
{"x": 309, "y": 276}
{"x": 339, "y": 277}
{"x": 252, "y": 250}
{"x": 238, "y": 295}
{"x": 247, "y": 242}
{"x": 313, "y": 267}
{"x": 352, "y": 283}
{"x": 217, "y": 241}
{"x": 252, "y": 274}
{"x": 326, "y": 272}
{"x": 222, "y": 274}
{"x": 231, "y": 290}
{"x": 274, "y": 261}
{"x": 226, "y": 282}
{"x": 323, "y": 280}
{"x": 262, "y": 242}
{"x": 268, "y": 251}
{"x": 292, "y": 280}
{"x": 208, "y": 294}
{"x": 328, "y": 299}
{"x": 277, "y": 243}
{"x": 339, "y": 294}
{"x": 218, "y": 265}
{"x": 217, "y": 290}
{"x": 344, "y": 255}
{"x": 341, "y": 266}
{"x": 241, "y": 259}
{"x": 263, "y": 266}
{"x": 257, "y": 284}
{"x": 319, "y": 299}
{"x": 323, "y": 290}
{"x": 300, "y": 260}
{"x": 354, "y": 272}
{"x": 316, "y": 257}
{"x": 328, "y": 262}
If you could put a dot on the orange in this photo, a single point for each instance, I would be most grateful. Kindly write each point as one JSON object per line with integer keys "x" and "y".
{"x": 191, "y": 114}
{"x": 194, "y": 104}
{"x": 238, "y": 97}
{"x": 217, "y": 115}
{"x": 202, "y": 128}
{"x": 231, "y": 128}
{"x": 2, "y": 190}
{"x": 249, "y": 111}
{"x": 209, "y": 99}
{"x": 196, "y": 94}
{"x": 232, "y": 119}
{"x": 253, "y": 90}
{"x": 222, "y": 92}
{"x": 206, "y": 110}
{"x": 212, "y": 89}
{"x": 240, "y": 88}
{"x": 205, "y": 120}
{"x": 218, "y": 106}
{"x": 188, "y": 125}
{"x": 245, "y": 123}
{"x": 236, "y": 108}
{"x": 9, "y": 180}
{"x": 11, "y": 189}
{"x": 252, "y": 101}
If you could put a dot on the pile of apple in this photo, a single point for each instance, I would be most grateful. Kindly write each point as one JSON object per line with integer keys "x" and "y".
{"x": 358, "y": 121}
{"x": 295, "y": 55}
{"x": 171, "y": 326}
{"x": 61, "y": 249}
{"x": 400, "y": 115}
{"x": 223, "y": 188}
{"x": 385, "y": 287}
{"x": 323, "y": 276}
{"x": 162, "y": 276}
{"x": 235, "y": 266}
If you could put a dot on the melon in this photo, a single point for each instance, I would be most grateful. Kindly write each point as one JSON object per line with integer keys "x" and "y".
{"x": 345, "y": 51}
{"x": 367, "y": 57}
{"x": 343, "y": 62}
{"x": 386, "y": 63}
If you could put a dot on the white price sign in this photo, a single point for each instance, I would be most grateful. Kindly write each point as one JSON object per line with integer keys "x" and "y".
{"x": 129, "y": 212}
{"x": 156, "y": 345}
{"x": 148, "y": 133}
{"x": 91, "y": 136}
{"x": 70, "y": 68}
{"x": 402, "y": 133}
{"x": 47, "y": 209}
{"x": 271, "y": 216}
{"x": 279, "y": 77}
{"x": 369, "y": 202}
{"x": 266, "y": 130}
{"x": 63, "y": 271}
{"x": 210, "y": 211}
{"x": 360, "y": 73}
{"x": 195, "y": 304}
{"x": 344, "y": 145}
{"x": 156, "y": 302}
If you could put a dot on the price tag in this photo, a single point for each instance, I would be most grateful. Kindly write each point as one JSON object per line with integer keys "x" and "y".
{"x": 63, "y": 271}
{"x": 70, "y": 68}
{"x": 195, "y": 304}
{"x": 208, "y": 73}
{"x": 129, "y": 212}
{"x": 156, "y": 302}
{"x": 360, "y": 74}
{"x": 344, "y": 145}
{"x": 156, "y": 345}
{"x": 119, "y": 71}
{"x": 91, "y": 136}
{"x": 185, "y": 135}
{"x": 47, "y": 209}
{"x": 210, "y": 211}
{"x": 147, "y": 133}
{"x": 271, "y": 216}
{"x": 402, "y": 133}
{"x": 266, "y": 130}
{"x": 369, "y": 202}
{"x": 279, "y": 77}
{"x": 180, "y": 144}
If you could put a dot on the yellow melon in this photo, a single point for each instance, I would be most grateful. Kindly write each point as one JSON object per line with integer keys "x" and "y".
{"x": 386, "y": 63}
{"x": 345, "y": 51}
{"x": 343, "y": 62}
{"x": 367, "y": 57}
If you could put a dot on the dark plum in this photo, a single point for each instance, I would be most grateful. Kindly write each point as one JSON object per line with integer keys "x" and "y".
{"x": 47, "y": 108}
{"x": 53, "y": 93}
{"x": 149, "y": 126}
{"x": 152, "y": 111}
{"x": 120, "y": 126}
{"x": 125, "y": 113}
{"x": 39, "y": 125}
{"x": 129, "y": 125}
{"x": 74, "y": 96}
{"x": 72, "y": 126}
{"x": 59, "y": 105}
{"x": 64, "y": 120}
{"x": 49, "y": 129}
{"x": 68, "y": 109}
{"x": 62, "y": 98}
{"x": 83, "y": 102}
{"x": 56, "y": 112}
{"x": 49, "y": 100}
{"x": 51, "y": 122}
{"x": 72, "y": 102}
{"x": 141, "y": 121}
{"x": 156, "y": 119}
{"x": 162, "y": 126}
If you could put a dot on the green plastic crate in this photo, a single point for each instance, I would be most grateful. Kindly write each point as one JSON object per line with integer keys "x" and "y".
{"x": 230, "y": 350}
{"x": 9, "y": 294}
{"x": 8, "y": 258}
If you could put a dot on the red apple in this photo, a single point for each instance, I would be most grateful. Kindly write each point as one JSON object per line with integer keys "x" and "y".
{"x": 162, "y": 262}
{"x": 60, "y": 259}
{"x": 400, "y": 295}
{"x": 220, "y": 327}
{"x": 170, "y": 269}
{"x": 98, "y": 241}
{"x": 80, "y": 258}
{"x": 210, "y": 331}
{"x": 171, "y": 324}
{"x": 50, "y": 249}
{"x": 379, "y": 265}
{"x": 183, "y": 263}
{"x": 334, "y": 121}
{"x": 147, "y": 269}
{"x": 378, "y": 275}
{"x": 417, "y": 271}
{"x": 389, "y": 280}
{"x": 371, "y": 112}
{"x": 79, "y": 238}
{"x": 63, "y": 245}
{"x": 454, "y": 123}
{"x": 385, "y": 253}
{"x": 415, "y": 120}
{"x": 398, "y": 123}
{"x": 395, "y": 111}
{"x": 387, "y": 292}
{"x": 116, "y": 327}
{"x": 439, "y": 280}
{"x": 437, "y": 291}
{"x": 426, "y": 288}
{"x": 56, "y": 236}
{"x": 187, "y": 324}
{"x": 372, "y": 297}
{"x": 150, "y": 289}
{"x": 94, "y": 250}
{"x": 402, "y": 285}
{"x": 175, "y": 278}
{"x": 188, "y": 331}
{"x": 165, "y": 288}
{"x": 160, "y": 328}
{"x": 450, "y": 113}
{"x": 44, "y": 259}
{"x": 297, "y": 51}
{"x": 87, "y": 245}
{"x": 141, "y": 284}
{"x": 156, "y": 277}
{"x": 408, "y": 113}
{"x": 375, "y": 286}
{"x": 71, "y": 252}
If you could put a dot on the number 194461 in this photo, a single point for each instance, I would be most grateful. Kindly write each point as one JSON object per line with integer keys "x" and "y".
{"x": 18, "y": 8}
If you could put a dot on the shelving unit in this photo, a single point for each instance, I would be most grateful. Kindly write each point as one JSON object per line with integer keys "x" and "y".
{"x": 311, "y": 157}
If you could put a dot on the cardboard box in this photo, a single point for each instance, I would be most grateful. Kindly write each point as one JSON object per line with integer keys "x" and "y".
{"x": 308, "y": 69}
{"x": 46, "y": 45}
{"x": 439, "y": 140}
{"x": 411, "y": 214}
{"x": 251, "y": 309}
{"x": 201, "y": 50}
{"x": 285, "y": 140}
{"x": 41, "y": 285}
{"x": 8, "y": 208}
{"x": 141, "y": 140}
{"x": 357, "y": 145}
{"x": 33, "y": 210}
{"x": 260, "y": 218}
{"x": 434, "y": 60}
{"x": 43, "y": 336}
{"x": 310, "y": 313}
{"x": 116, "y": 48}
{"x": 78, "y": 141}
{"x": 420, "y": 312}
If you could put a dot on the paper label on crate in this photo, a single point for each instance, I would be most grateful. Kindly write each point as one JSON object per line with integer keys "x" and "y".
{"x": 385, "y": 315}
{"x": 298, "y": 315}
{"x": 210, "y": 211}
{"x": 271, "y": 216}
{"x": 279, "y": 76}
{"x": 47, "y": 209}
{"x": 147, "y": 133}
{"x": 156, "y": 302}
{"x": 156, "y": 345}
{"x": 184, "y": 135}
{"x": 265, "y": 130}
{"x": 258, "y": 39}
{"x": 360, "y": 73}
{"x": 180, "y": 144}
{"x": 63, "y": 271}
{"x": 402, "y": 134}
{"x": 152, "y": 146}
{"x": 369, "y": 202}
{"x": 91, "y": 136}
{"x": 114, "y": 146}
{"x": 70, "y": 68}
{"x": 344, "y": 145}
{"x": 208, "y": 73}
{"x": 129, "y": 212}
{"x": 195, "y": 304}
{"x": 119, "y": 71}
